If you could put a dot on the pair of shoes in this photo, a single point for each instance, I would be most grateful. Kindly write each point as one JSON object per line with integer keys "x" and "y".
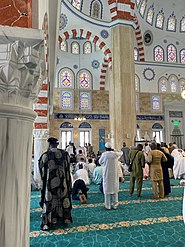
{"x": 44, "y": 228}
{"x": 155, "y": 197}
{"x": 115, "y": 207}
{"x": 106, "y": 208}
{"x": 139, "y": 195}
{"x": 83, "y": 199}
{"x": 161, "y": 197}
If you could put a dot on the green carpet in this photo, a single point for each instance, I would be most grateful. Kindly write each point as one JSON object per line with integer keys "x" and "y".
{"x": 137, "y": 222}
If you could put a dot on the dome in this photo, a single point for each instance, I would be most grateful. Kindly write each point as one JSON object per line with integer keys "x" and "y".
{"x": 164, "y": 15}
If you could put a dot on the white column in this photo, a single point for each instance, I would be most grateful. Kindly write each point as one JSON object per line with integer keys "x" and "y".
{"x": 21, "y": 65}
{"x": 40, "y": 146}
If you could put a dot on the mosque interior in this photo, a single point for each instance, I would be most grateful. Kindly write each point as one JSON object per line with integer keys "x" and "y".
{"x": 89, "y": 71}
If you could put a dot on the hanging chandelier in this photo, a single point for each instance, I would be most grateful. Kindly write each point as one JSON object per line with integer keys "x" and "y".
{"x": 80, "y": 118}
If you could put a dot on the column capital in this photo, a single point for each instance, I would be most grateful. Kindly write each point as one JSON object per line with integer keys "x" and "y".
{"x": 41, "y": 133}
{"x": 21, "y": 65}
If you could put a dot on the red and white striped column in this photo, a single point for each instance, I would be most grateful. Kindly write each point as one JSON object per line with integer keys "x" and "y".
{"x": 103, "y": 74}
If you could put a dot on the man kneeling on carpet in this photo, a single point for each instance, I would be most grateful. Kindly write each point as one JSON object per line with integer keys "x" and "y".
{"x": 80, "y": 180}
{"x": 109, "y": 162}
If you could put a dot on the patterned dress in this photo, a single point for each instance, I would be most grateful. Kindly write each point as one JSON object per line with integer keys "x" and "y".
{"x": 56, "y": 189}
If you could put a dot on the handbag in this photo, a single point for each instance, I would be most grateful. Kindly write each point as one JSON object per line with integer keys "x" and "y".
{"x": 131, "y": 162}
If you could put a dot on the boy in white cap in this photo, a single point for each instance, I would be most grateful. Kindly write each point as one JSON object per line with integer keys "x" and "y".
{"x": 109, "y": 162}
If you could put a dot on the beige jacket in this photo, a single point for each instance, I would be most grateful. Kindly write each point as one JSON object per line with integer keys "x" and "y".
{"x": 154, "y": 160}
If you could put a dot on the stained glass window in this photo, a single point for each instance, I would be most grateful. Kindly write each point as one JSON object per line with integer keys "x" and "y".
{"x": 142, "y": 8}
{"x": 173, "y": 83}
{"x": 163, "y": 85}
{"x": 160, "y": 20}
{"x": 63, "y": 46}
{"x": 87, "y": 47}
{"x": 172, "y": 54}
{"x": 171, "y": 24}
{"x": 182, "y": 84}
{"x": 150, "y": 15}
{"x": 66, "y": 100}
{"x": 84, "y": 80}
{"x": 66, "y": 79}
{"x": 137, "y": 83}
{"x": 84, "y": 100}
{"x": 182, "y": 56}
{"x": 77, "y": 4}
{"x": 75, "y": 48}
{"x": 96, "y": 8}
{"x": 155, "y": 103}
{"x": 135, "y": 54}
{"x": 159, "y": 54}
{"x": 182, "y": 24}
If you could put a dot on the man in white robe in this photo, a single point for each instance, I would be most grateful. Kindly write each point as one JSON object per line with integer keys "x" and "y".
{"x": 109, "y": 162}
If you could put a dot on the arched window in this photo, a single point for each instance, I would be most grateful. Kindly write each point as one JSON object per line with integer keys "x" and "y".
{"x": 182, "y": 56}
{"x": 163, "y": 84}
{"x": 66, "y": 82}
{"x": 85, "y": 131}
{"x": 96, "y": 9}
{"x": 135, "y": 54}
{"x": 171, "y": 23}
{"x": 85, "y": 100}
{"x": 66, "y": 78}
{"x": 87, "y": 47}
{"x": 160, "y": 20}
{"x": 138, "y": 134}
{"x": 150, "y": 15}
{"x": 84, "y": 79}
{"x": 158, "y": 54}
{"x": 142, "y": 8}
{"x": 66, "y": 133}
{"x": 75, "y": 47}
{"x": 63, "y": 46}
{"x": 67, "y": 99}
{"x": 137, "y": 83}
{"x": 77, "y": 4}
{"x": 182, "y": 84}
{"x": 172, "y": 54}
{"x": 182, "y": 24}
{"x": 156, "y": 103}
{"x": 157, "y": 130}
{"x": 173, "y": 81}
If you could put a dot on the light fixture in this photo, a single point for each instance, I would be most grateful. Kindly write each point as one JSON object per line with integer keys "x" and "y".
{"x": 79, "y": 118}
{"x": 183, "y": 94}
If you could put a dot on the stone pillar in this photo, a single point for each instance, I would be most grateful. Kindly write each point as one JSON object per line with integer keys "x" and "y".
{"x": 40, "y": 146}
{"x": 21, "y": 63}
{"x": 122, "y": 97}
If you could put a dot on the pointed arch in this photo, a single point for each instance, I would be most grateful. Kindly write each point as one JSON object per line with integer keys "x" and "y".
{"x": 158, "y": 54}
{"x": 96, "y": 9}
{"x": 182, "y": 56}
{"x": 160, "y": 19}
{"x": 82, "y": 33}
{"x": 171, "y": 53}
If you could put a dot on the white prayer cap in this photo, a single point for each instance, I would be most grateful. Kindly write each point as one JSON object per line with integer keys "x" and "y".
{"x": 108, "y": 145}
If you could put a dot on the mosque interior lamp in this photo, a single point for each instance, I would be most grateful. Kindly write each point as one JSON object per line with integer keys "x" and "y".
{"x": 80, "y": 118}
{"x": 183, "y": 93}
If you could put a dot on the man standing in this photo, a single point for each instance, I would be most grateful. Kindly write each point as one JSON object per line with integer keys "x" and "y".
{"x": 54, "y": 168}
{"x": 109, "y": 162}
{"x": 155, "y": 157}
{"x": 138, "y": 163}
